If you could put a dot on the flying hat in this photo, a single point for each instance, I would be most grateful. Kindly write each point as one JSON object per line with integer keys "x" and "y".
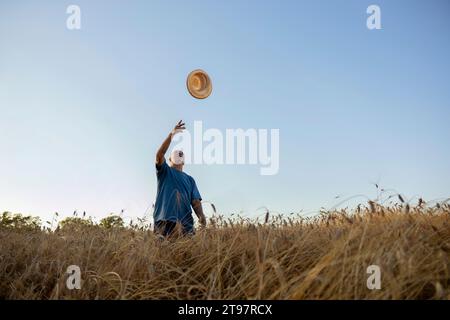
{"x": 199, "y": 84}
{"x": 177, "y": 157}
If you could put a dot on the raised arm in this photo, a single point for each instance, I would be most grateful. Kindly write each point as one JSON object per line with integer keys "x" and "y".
{"x": 165, "y": 145}
{"x": 198, "y": 209}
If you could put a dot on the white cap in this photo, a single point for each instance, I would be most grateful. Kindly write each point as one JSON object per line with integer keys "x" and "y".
{"x": 177, "y": 157}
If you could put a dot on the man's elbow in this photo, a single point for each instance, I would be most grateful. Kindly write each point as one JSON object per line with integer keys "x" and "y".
{"x": 196, "y": 203}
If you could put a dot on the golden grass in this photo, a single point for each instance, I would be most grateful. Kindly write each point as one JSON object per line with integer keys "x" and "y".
{"x": 325, "y": 257}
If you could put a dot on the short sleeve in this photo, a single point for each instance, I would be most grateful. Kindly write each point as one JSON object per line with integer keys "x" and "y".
{"x": 195, "y": 194}
{"x": 161, "y": 169}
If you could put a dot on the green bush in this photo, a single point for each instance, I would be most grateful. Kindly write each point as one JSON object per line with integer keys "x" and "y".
{"x": 75, "y": 223}
{"x": 112, "y": 222}
{"x": 19, "y": 221}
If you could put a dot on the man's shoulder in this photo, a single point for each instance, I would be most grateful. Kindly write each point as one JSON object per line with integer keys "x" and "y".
{"x": 189, "y": 177}
{"x": 162, "y": 169}
{"x": 161, "y": 165}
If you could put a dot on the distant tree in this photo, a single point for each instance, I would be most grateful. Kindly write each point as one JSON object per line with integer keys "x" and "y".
{"x": 113, "y": 221}
{"x": 75, "y": 223}
{"x": 19, "y": 221}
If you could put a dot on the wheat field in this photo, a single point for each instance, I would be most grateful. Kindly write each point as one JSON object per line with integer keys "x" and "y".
{"x": 280, "y": 257}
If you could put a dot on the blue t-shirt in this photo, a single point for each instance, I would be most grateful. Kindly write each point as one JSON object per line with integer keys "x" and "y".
{"x": 175, "y": 193}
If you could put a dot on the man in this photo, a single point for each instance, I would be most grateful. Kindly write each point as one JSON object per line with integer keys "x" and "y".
{"x": 176, "y": 193}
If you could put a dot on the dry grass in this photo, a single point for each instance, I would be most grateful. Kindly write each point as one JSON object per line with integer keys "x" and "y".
{"x": 325, "y": 257}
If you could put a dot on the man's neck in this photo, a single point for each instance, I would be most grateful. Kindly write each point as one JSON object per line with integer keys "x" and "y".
{"x": 179, "y": 168}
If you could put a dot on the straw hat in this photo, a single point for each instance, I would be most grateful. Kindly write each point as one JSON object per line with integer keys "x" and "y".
{"x": 199, "y": 84}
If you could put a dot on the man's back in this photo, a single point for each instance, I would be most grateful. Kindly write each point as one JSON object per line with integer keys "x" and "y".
{"x": 175, "y": 192}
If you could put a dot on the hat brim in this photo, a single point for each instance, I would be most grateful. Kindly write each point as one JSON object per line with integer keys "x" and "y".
{"x": 199, "y": 84}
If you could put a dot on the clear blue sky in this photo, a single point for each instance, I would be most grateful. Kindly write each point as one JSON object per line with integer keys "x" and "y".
{"x": 83, "y": 112}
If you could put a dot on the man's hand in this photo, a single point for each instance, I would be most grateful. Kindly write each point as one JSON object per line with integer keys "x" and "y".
{"x": 178, "y": 128}
{"x": 202, "y": 221}
{"x": 165, "y": 145}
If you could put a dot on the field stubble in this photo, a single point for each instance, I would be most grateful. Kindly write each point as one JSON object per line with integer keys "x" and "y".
{"x": 284, "y": 257}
